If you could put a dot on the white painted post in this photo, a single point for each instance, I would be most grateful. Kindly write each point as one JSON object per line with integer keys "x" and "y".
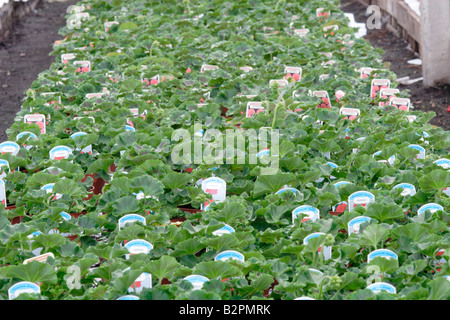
{"x": 435, "y": 44}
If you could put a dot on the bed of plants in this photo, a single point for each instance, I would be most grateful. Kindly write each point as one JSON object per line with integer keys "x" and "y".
{"x": 128, "y": 74}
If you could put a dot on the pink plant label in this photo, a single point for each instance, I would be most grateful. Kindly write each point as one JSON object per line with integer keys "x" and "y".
{"x": 253, "y": 108}
{"x": 38, "y": 119}
{"x": 377, "y": 85}
{"x": 400, "y": 103}
{"x": 323, "y": 95}
{"x": 294, "y": 73}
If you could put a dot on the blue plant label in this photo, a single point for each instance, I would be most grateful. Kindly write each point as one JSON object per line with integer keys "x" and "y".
{"x": 23, "y": 287}
{"x": 421, "y": 155}
{"x": 263, "y": 153}
{"x": 65, "y": 216}
{"x": 444, "y": 163}
{"x": 130, "y": 218}
{"x": 311, "y": 213}
{"x": 129, "y": 128}
{"x": 196, "y": 280}
{"x": 226, "y": 229}
{"x": 383, "y": 253}
{"x": 38, "y": 119}
{"x": 229, "y": 255}
{"x": 49, "y": 189}
{"x": 31, "y": 136}
{"x": 4, "y": 168}
{"x": 353, "y": 225}
{"x": 433, "y": 207}
{"x": 391, "y": 159}
{"x": 408, "y": 189}
{"x": 340, "y": 206}
{"x": 293, "y": 190}
{"x": 326, "y": 249}
{"x": 85, "y": 150}
{"x": 40, "y": 258}
{"x": 216, "y": 187}
{"x": 60, "y": 152}
{"x": 9, "y": 147}
{"x": 341, "y": 183}
{"x": 128, "y": 297}
{"x": 138, "y": 246}
{"x": 382, "y": 286}
{"x": 360, "y": 198}
{"x": 144, "y": 281}
{"x": 2, "y": 192}
{"x": 253, "y": 107}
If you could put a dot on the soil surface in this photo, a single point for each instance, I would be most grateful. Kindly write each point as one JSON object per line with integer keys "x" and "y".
{"x": 25, "y": 54}
{"x": 398, "y": 53}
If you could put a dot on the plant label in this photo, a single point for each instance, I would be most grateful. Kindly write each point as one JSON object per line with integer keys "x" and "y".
{"x": 365, "y": 72}
{"x": 65, "y": 216}
{"x": 38, "y": 119}
{"x": 304, "y": 298}
{"x": 246, "y": 69}
{"x": 350, "y": 113}
{"x": 292, "y": 190}
{"x": 326, "y": 249}
{"x": 253, "y": 108}
{"x": 377, "y": 85}
{"x": 85, "y": 150}
{"x": 341, "y": 183}
{"x": 311, "y": 213}
{"x": 2, "y": 192}
{"x": 40, "y": 258}
{"x": 340, "y": 207}
{"x": 138, "y": 246}
{"x": 109, "y": 24}
{"x": 301, "y": 32}
{"x": 129, "y": 128}
{"x": 433, "y": 207}
{"x": 386, "y": 94}
{"x": 408, "y": 189}
{"x": 4, "y": 168}
{"x": 360, "y": 198}
{"x": 82, "y": 66}
{"x": 383, "y": 253}
{"x": 128, "y": 297}
{"x": 294, "y": 73}
{"x": 135, "y": 113}
{"x": 229, "y": 255}
{"x": 206, "y": 205}
{"x": 60, "y": 152}
{"x": 326, "y": 103}
{"x": 226, "y": 229}
{"x": 216, "y": 187}
{"x": 323, "y": 77}
{"x": 31, "y": 136}
{"x": 279, "y": 82}
{"x": 353, "y": 225}
{"x": 49, "y": 189}
{"x": 208, "y": 67}
{"x": 333, "y": 28}
{"x": 411, "y": 119}
{"x": 444, "y": 163}
{"x": 421, "y": 154}
{"x": 196, "y": 280}
{"x": 130, "y": 218}
{"x": 400, "y": 103}
{"x": 66, "y": 57}
{"x": 9, "y": 147}
{"x": 391, "y": 159}
{"x": 321, "y": 13}
{"x": 382, "y": 286}
{"x": 142, "y": 282}
{"x": 23, "y": 287}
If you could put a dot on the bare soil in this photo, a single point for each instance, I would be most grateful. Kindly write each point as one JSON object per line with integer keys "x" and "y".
{"x": 25, "y": 53}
